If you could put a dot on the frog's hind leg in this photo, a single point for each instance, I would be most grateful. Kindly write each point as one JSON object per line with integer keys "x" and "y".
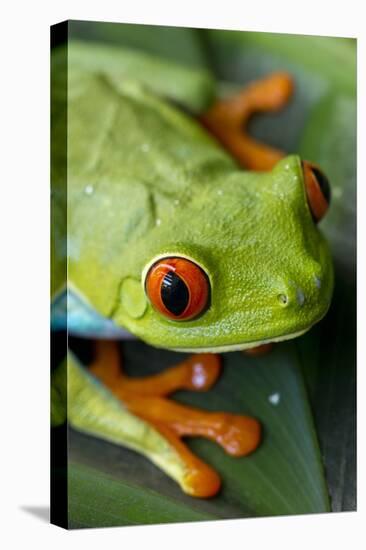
{"x": 146, "y": 398}
{"x": 227, "y": 120}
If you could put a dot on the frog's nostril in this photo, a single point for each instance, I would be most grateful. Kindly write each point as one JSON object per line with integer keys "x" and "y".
{"x": 283, "y": 299}
{"x": 294, "y": 296}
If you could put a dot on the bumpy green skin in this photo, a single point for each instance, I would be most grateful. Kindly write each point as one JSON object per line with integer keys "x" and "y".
{"x": 146, "y": 181}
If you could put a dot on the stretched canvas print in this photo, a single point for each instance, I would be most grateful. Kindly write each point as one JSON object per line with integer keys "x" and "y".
{"x": 203, "y": 316}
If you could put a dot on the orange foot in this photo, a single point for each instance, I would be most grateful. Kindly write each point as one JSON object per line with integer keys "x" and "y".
{"x": 227, "y": 118}
{"x": 263, "y": 349}
{"x": 146, "y": 398}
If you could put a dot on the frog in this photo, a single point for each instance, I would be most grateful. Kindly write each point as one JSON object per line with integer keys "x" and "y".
{"x": 178, "y": 228}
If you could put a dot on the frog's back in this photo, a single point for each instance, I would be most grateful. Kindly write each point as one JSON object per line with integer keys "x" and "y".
{"x": 131, "y": 157}
{"x": 119, "y": 130}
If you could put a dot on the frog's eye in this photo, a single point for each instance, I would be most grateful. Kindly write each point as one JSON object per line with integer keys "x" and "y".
{"x": 317, "y": 190}
{"x": 177, "y": 288}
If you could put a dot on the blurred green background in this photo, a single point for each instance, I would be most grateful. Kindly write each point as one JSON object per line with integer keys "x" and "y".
{"x": 307, "y": 462}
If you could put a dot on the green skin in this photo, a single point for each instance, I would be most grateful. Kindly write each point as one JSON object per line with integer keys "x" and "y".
{"x": 145, "y": 181}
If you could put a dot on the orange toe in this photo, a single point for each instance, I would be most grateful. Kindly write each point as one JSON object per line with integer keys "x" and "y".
{"x": 203, "y": 371}
{"x": 202, "y": 482}
{"x": 259, "y": 350}
{"x": 238, "y": 435}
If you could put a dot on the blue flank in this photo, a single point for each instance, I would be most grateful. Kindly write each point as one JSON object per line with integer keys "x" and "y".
{"x": 69, "y": 312}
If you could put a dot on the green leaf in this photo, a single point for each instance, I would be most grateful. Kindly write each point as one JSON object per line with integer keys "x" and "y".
{"x": 174, "y": 43}
{"x": 333, "y": 373}
{"x": 102, "y": 500}
{"x": 332, "y": 60}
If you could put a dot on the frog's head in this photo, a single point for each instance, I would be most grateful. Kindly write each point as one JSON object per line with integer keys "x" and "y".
{"x": 238, "y": 262}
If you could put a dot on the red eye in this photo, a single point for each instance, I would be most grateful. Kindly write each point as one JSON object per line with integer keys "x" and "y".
{"x": 317, "y": 190}
{"x": 177, "y": 288}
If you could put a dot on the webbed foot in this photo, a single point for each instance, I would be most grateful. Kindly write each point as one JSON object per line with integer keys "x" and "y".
{"x": 146, "y": 398}
{"x": 227, "y": 119}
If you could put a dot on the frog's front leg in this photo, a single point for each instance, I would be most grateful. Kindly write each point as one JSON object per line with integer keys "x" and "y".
{"x": 146, "y": 398}
{"x": 227, "y": 119}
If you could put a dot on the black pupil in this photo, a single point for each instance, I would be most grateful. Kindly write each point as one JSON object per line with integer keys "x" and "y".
{"x": 323, "y": 183}
{"x": 174, "y": 293}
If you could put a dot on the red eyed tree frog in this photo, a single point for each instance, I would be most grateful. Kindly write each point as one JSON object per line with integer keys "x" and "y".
{"x": 185, "y": 232}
